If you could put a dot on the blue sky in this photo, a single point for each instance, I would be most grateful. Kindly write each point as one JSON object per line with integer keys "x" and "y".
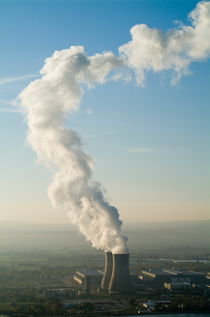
{"x": 150, "y": 145}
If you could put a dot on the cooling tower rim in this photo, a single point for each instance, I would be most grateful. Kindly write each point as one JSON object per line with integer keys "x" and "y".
{"x": 116, "y": 253}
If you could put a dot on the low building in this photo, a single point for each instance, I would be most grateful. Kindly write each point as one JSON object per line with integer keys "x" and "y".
{"x": 157, "y": 279}
{"x": 88, "y": 279}
{"x": 153, "y": 305}
{"x": 177, "y": 286}
{"x": 154, "y": 278}
{"x": 189, "y": 277}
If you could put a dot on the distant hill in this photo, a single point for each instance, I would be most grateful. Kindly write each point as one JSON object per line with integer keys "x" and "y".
{"x": 194, "y": 234}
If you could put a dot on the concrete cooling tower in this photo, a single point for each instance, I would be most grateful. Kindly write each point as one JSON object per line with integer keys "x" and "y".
{"x": 120, "y": 280}
{"x": 107, "y": 271}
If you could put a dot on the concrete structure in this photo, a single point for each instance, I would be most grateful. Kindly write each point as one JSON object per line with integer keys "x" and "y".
{"x": 120, "y": 280}
{"x": 107, "y": 271}
{"x": 188, "y": 277}
{"x": 88, "y": 279}
{"x": 158, "y": 278}
{"x": 152, "y": 305}
{"x": 177, "y": 286}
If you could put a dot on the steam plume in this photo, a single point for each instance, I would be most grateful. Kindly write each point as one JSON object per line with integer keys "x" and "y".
{"x": 152, "y": 49}
{"x": 48, "y": 100}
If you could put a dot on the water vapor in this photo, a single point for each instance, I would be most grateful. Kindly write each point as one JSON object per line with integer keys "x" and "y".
{"x": 174, "y": 50}
{"x": 64, "y": 77}
{"x": 47, "y": 101}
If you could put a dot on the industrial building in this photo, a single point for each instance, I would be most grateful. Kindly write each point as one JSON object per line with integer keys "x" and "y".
{"x": 177, "y": 286}
{"x": 172, "y": 278}
{"x": 152, "y": 305}
{"x": 114, "y": 280}
{"x": 88, "y": 279}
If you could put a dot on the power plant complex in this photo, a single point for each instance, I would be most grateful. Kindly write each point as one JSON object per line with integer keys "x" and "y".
{"x": 114, "y": 280}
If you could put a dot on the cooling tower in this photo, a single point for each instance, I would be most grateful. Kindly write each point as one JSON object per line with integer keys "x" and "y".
{"x": 120, "y": 280}
{"x": 107, "y": 271}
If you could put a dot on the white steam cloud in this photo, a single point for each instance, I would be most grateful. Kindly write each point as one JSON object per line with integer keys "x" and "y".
{"x": 48, "y": 100}
{"x": 152, "y": 49}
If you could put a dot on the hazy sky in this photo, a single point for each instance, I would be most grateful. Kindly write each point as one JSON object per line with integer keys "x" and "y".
{"x": 150, "y": 144}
